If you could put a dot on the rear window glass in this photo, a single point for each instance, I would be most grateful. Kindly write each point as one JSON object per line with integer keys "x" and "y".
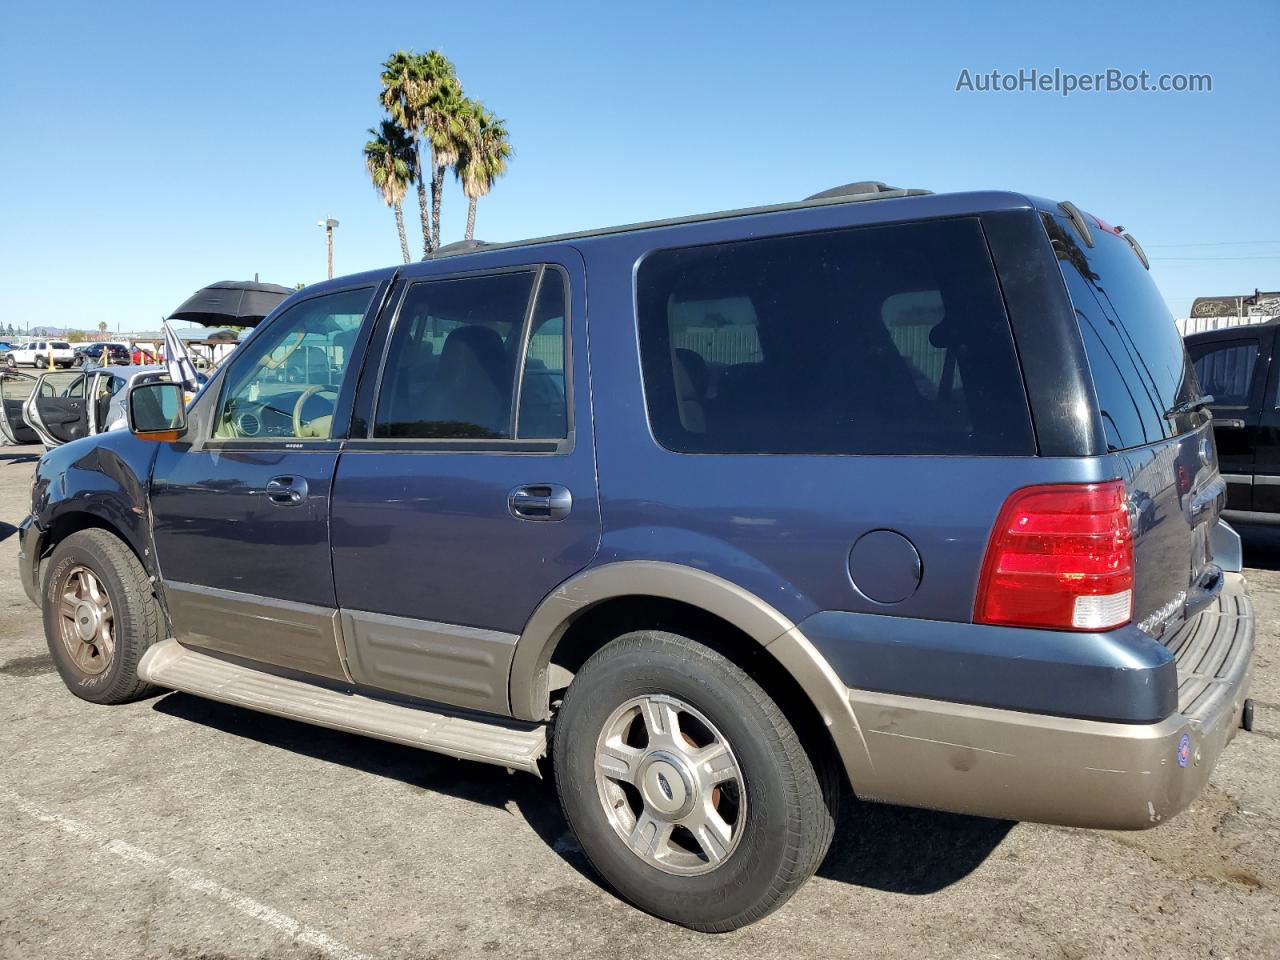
{"x": 1139, "y": 363}
{"x": 871, "y": 340}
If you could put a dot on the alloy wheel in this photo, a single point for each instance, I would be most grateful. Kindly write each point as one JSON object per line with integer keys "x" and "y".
{"x": 87, "y": 621}
{"x": 670, "y": 785}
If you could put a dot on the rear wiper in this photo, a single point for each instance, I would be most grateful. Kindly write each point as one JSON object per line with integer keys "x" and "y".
{"x": 1188, "y": 406}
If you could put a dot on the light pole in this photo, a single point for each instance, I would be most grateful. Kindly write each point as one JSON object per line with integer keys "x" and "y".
{"x": 328, "y": 223}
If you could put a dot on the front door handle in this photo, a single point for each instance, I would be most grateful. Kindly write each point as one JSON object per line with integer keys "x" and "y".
{"x": 1227, "y": 424}
{"x": 540, "y": 501}
{"x": 286, "y": 491}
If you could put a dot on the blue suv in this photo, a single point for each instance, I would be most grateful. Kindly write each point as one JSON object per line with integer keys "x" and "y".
{"x": 714, "y": 519}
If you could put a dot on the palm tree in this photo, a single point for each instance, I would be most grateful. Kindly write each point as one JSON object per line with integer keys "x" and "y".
{"x": 486, "y": 148}
{"x": 413, "y": 88}
{"x": 447, "y": 116}
{"x": 442, "y": 104}
{"x": 389, "y": 158}
{"x": 404, "y": 96}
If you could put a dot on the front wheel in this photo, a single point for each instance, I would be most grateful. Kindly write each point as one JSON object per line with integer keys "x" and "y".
{"x": 687, "y": 787}
{"x": 100, "y": 616}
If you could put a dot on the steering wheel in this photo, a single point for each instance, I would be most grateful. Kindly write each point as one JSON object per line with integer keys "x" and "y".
{"x": 319, "y": 426}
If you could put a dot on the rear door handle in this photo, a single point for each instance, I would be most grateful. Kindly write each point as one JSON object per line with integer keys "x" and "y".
{"x": 286, "y": 491}
{"x": 1228, "y": 424}
{"x": 540, "y": 501}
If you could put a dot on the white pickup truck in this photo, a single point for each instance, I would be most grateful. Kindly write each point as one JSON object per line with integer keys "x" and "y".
{"x": 35, "y": 353}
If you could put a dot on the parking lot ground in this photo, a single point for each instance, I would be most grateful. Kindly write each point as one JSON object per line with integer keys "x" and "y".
{"x": 180, "y": 828}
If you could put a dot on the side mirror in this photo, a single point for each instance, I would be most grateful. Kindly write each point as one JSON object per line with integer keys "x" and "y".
{"x": 156, "y": 412}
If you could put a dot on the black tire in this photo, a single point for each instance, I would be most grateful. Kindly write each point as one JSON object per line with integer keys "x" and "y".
{"x": 137, "y": 618}
{"x": 789, "y": 820}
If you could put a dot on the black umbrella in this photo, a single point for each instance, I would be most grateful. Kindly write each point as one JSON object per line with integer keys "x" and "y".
{"x": 238, "y": 303}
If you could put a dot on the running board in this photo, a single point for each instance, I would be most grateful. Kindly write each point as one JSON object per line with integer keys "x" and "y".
{"x": 507, "y": 743}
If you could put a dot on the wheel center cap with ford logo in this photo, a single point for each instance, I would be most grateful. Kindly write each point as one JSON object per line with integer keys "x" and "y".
{"x": 667, "y": 785}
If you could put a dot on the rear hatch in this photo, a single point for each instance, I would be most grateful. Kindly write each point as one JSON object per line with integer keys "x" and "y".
{"x": 1154, "y": 418}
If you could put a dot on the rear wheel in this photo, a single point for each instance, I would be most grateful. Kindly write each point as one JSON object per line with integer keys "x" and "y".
{"x": 686, "y": 786}
{"x": 100, "y": 616}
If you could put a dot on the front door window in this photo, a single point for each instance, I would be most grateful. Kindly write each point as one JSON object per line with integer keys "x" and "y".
{"x": 285, "y": 385}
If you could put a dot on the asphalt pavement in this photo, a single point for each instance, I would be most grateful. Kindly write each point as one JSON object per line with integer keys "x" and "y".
{"x": 180, "y": 828}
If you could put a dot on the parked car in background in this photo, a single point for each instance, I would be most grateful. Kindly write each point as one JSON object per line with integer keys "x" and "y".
{"x": 36, "y": 353}
{"x": 56, "y": 408}
{"x": 1236, "y": 367}
{"x": 908, "y": 494}
{"x": 100, "y": 355}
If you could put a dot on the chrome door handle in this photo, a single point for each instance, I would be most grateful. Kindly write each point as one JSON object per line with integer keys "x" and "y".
{"x": 1227, "y": 424}
{"x": 540, "y": 501}
{"x": 286, "y": 491}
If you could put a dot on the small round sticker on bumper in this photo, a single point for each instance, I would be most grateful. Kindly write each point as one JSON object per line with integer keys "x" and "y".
{"x": 1184, "y": 749}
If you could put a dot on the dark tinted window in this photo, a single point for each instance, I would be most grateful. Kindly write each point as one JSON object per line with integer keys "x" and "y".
{"x": 1225, "y": 370}
{"x": 1139, "y": 364}
{"x": 887, "y": 339}
{"x": 543, "y": 407}
{"x": 450, "y": 370}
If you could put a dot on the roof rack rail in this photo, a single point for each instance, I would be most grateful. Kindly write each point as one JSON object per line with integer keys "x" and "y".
{"x": 458, "y": 246}
{"x": 868, "y": 190}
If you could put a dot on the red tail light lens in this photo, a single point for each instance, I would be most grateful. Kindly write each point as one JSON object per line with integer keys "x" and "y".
{"x": 1060, "y": 557}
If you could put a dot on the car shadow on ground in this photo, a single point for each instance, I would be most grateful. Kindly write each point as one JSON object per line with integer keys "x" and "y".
{"x": 893, "y": 849}
{"x": 7, "y": 530}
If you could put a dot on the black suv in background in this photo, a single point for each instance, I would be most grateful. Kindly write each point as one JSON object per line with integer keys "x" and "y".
{"x": 1234, "y": 367}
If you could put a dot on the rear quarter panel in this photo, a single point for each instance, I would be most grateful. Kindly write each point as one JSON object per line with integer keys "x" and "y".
{"x": 782, "y": 526}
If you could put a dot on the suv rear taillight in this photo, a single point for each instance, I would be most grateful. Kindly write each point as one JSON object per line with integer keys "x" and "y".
{"x": 1061, "y": 557}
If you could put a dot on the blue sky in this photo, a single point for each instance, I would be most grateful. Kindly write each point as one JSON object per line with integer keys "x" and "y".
{"x": 152, "y": 148}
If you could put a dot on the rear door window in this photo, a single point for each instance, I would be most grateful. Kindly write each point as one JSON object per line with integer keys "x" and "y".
{"x": 871, "y": 340}
{"x": 449, "y": 371}
{"x": 478, "y": 358}
{"x": 1139, "y": 363}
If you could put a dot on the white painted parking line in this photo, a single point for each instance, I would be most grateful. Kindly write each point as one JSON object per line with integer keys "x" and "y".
{"x": 294, "y": 929}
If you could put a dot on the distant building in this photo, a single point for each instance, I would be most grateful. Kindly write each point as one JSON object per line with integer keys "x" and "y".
{"x": 1215, "y": 313}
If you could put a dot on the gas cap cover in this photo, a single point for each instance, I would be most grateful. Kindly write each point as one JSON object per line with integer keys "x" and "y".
{"x": 885, "y": 566}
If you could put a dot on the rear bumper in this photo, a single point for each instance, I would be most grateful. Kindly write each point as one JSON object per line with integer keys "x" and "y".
{"x": 1053, "y": 769}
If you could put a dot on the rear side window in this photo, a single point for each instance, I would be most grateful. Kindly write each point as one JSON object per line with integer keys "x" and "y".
{"x": 1225, "y": 370}
{"x": 457, "y": 347}
{"x": 871, "y": 340}
{"x": 1139, "y": 363}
